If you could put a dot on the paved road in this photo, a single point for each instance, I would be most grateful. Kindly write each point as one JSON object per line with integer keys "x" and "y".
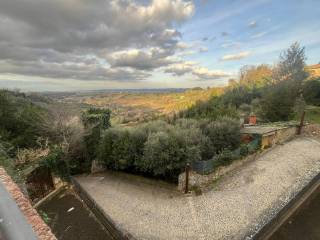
{"x": 243, "y": 201}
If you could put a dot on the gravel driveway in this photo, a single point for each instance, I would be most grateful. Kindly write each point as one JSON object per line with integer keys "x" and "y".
{"x": 241, "y": 203}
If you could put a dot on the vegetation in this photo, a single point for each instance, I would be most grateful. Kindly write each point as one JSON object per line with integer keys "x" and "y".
{"x": 199, "y": 125}
{"x": 21, "y": 122}
{"x": 36, "y": 131}
{"x": 131, "y": 108}
{"x": 312, "y": 114}
{"x": 271, "y": 93}
{"x": 162, "y": 149}
{"x": 311, "y": 92}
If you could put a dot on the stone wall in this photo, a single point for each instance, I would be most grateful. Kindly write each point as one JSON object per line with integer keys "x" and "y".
{"x": 285, "y": 134}
{"x": 278, "y": 136}
{"x": 197, "y": 180}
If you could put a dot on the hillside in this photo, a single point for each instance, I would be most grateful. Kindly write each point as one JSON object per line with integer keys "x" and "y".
{"x": 131, "y": 107}
{"x": 314, "y": 70}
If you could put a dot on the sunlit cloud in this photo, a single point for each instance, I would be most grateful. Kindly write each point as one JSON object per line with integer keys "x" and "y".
{"x": 237, "y": 56}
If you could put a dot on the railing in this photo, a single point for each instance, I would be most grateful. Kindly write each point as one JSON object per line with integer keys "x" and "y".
{"x": 13, "y": 224}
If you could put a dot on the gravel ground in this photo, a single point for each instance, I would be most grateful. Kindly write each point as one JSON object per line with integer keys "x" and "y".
{"x": 242, "y": 202}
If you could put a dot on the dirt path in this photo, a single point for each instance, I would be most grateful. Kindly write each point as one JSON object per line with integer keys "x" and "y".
{"x": 244, "y": 201}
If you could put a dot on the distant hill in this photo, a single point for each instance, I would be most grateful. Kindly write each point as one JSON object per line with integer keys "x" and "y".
{"x": 130, "y": 106}
{"x": 314, "y": 70}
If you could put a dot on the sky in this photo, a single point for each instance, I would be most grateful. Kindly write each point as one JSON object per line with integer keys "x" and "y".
{"x": 69, "y": 45}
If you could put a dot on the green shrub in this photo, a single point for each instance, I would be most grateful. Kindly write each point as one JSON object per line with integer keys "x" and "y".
{"x": 161, "y": 149}
{"x": 311, "y": 92}
{"x": 55, "y": 161}
{"x": 118, "y": 149}
{"x": 223, "y": 133}
{"x": 225, "y": 157}
{"x": 21, "y": 121}
{"x": 166, "y": 153}
{"x": 244, "y": 151}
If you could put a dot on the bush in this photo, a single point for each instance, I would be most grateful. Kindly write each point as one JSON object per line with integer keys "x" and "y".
{"x": 244, "y": 151}
{"x": 225, "y": 157}
{"x": 55, "y": 161}
{"x": 223, "y": 133}
{"x": 212, "y": 109}
{"x": 21, "y": 121}
{"x": 311, "y": 92}
{"x": 161, "y": 149}
{"x": 166, "y": 153}
{"x": 277, "y": 103}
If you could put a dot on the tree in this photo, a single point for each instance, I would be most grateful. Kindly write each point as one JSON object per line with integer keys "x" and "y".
{"x": 95, "y": 120}
{"x": 311, "y": 92}
{"x": 21, "y": 121}
{"x": 278, "y": 100}
{"x": 291, "y": 65}
{"x": 255, "y": 76}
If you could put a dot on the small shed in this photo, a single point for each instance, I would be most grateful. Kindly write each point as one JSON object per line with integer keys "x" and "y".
{"x": 269, "y": 134}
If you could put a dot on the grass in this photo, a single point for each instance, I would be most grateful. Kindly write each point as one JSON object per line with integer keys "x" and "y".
{"x": 312, "y": 114}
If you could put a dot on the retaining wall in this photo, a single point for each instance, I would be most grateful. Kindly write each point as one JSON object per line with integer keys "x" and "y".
{"x": 202, "y": 181}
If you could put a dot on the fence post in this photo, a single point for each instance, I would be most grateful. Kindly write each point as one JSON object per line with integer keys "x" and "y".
{"x": 301, "y": 122}
{"x": 186, "y": 190}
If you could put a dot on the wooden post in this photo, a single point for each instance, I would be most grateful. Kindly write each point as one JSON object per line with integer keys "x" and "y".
{"x": 186, "y": 190}
{"x": 301, "y": 122}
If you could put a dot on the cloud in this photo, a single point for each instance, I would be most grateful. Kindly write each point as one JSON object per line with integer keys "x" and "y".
{"x": 231, "y": 44}
{"x": 224, "y": 34}
{"x": 237, "y": 56}
{"x": 259, "y": 35}
{"x": 203, "y": 49}
{"x": 141, "y": 59}
{"x": 80, "y": 71}
{"x": 252, "y": 24}
{"x": 183, "y": 45}
{"x": 193, "y": 68}
{"x": 63, "y": 37}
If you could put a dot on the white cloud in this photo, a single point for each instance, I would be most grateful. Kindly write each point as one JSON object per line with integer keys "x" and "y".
{"x": 231, "y": 44}
{"x": 252, "y": 24}
{"x": 236, "y": 56}
{"x": 193, "y": 68}
{"x": 203, "y": 49}
{"x": 49, "y": 34}
{"x": 259, "y": 35}
{"x": 143, "y": 59}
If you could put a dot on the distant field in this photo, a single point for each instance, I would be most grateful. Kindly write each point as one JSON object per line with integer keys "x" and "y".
{"x": 137, "y": 107}
{"x": 131, "y": 107}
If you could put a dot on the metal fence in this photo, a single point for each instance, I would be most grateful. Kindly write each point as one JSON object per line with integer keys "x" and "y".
{"x": 206, "y": 167}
